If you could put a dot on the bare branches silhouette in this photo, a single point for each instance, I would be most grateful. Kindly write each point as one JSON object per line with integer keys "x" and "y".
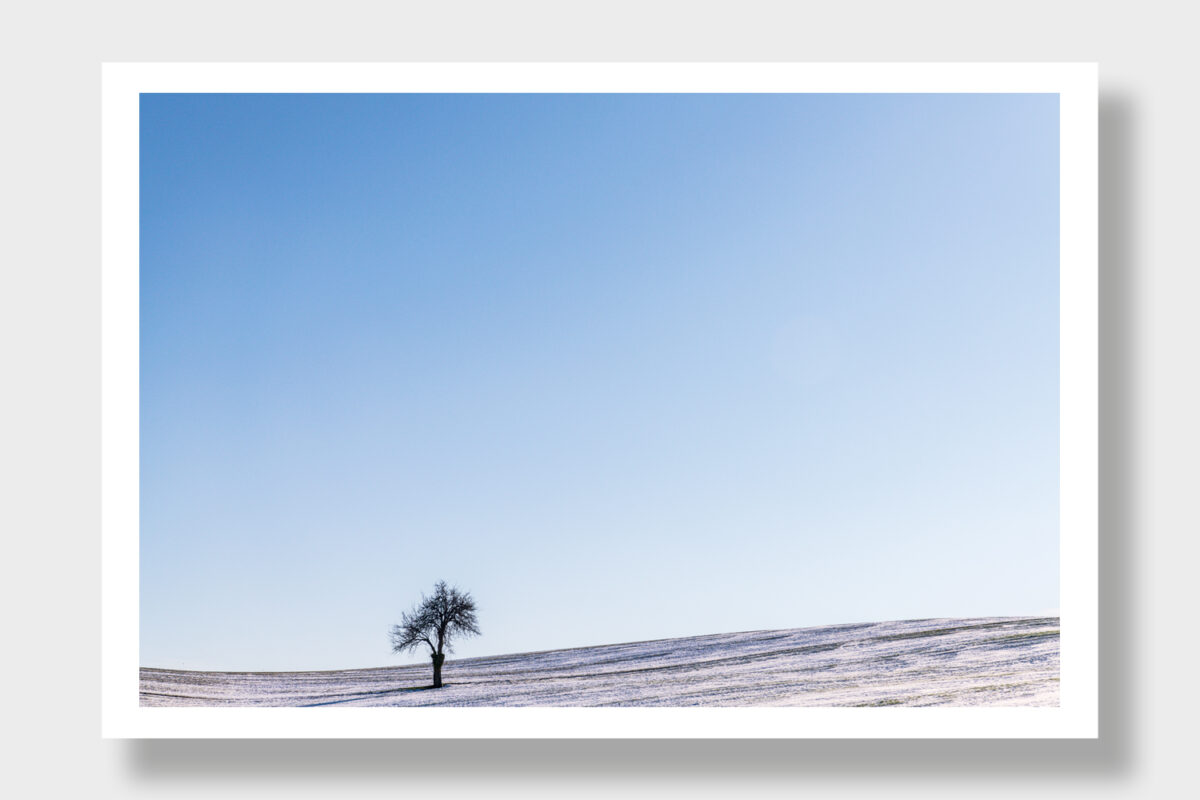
{"x": 436, "y": 621}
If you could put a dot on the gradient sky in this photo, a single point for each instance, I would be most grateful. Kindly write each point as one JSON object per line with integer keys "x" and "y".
{"x": 623, "y": 366}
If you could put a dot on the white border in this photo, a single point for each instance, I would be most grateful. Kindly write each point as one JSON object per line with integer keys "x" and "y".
{"x": 1076, "y": 717}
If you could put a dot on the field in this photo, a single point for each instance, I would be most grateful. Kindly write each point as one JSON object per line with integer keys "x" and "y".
{"x": 1000, "y": 661}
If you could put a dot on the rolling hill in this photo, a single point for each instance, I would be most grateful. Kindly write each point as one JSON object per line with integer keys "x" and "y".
{"x": 999, "y": 661}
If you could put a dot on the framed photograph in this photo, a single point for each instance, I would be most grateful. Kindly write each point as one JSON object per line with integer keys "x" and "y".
{"x": 599, "y": 400}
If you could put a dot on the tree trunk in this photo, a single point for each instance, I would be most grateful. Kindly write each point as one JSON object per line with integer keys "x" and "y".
{"x": 438, "y": 658}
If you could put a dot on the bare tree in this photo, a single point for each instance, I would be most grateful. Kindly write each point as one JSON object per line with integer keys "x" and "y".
{"x": 436, "y": 621}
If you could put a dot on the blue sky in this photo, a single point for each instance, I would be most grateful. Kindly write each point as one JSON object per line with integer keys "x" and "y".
{"x": 623, "y": 366}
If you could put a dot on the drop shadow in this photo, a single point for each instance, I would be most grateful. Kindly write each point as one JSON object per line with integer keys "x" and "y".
{"x": 1112, "y": 754}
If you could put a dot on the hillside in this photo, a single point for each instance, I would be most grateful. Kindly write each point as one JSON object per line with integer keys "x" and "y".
{"x": 1005, "y": 661}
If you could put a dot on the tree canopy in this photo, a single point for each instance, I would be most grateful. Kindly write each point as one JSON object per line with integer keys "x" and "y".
{"x": 436, "y": 621}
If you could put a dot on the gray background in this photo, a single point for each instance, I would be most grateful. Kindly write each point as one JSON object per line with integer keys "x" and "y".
{"x": 49, "y": 321}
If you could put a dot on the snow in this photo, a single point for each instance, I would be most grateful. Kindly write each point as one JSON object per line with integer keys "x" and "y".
{"x": 995, "y": 661}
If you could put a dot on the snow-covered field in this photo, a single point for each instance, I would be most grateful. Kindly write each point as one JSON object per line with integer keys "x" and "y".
{"x": 999, "y": 661}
